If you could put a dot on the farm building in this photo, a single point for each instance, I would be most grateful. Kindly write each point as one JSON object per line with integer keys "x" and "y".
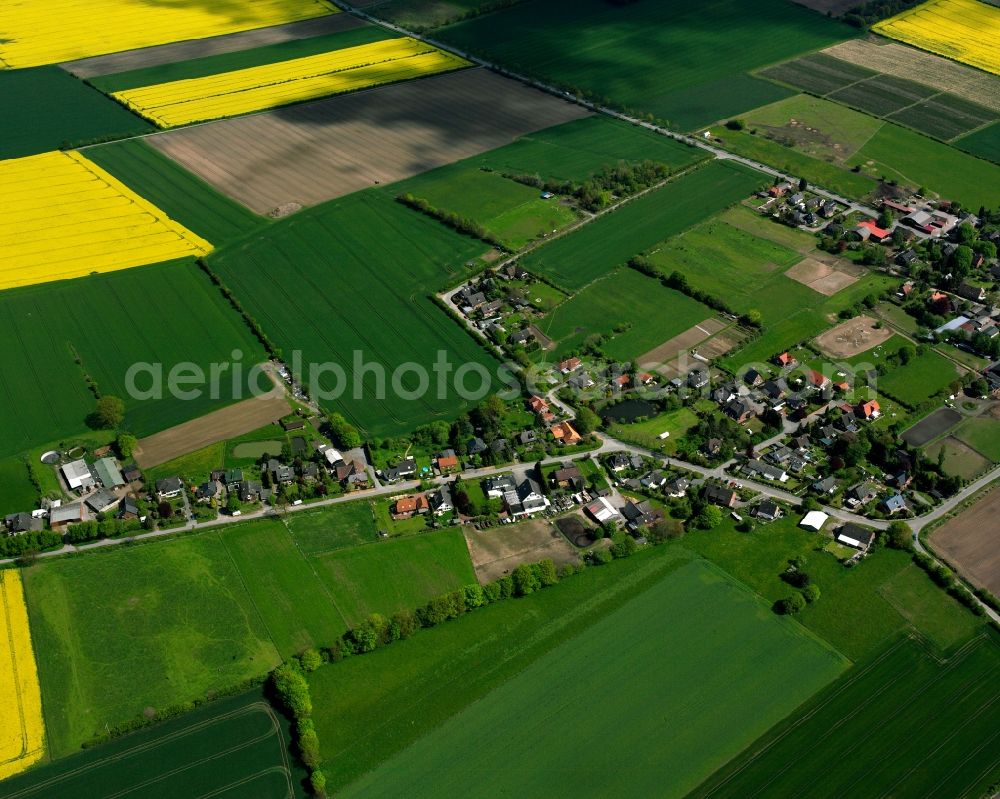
{"x": 65, "y": 514}
{"x": 853, "y": 536}
{"x": 602, "y": 511}
{"x": 814, "y": 520}
{"x": 78, "y": 476}
{"x": 107, "y": 473}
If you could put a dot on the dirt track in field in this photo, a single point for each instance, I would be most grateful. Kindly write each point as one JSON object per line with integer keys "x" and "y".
{"x": 199, "y": 48}
{"x": 971, "y": 541}
{"x": 500, "y": 550}
{"x": 853, "y": 337}
{"x": 664, "y": 359}
{"x": 316, "y": 151}
{"x": 219, "y": 425}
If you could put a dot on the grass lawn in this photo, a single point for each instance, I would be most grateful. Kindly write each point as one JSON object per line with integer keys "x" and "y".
{"x": 682, "y": 63}
{"x": 569, "y": 697}
{"x": 195, "y": 466}
{"x": 293, "y": 603}
{"x": 178, "y": 193}
{"x": 647, "y": 312}
{"x": 16, "y": 491}
{"x": 46, "y": 108}
{"x": 902, "y": 723}
{"x": 983, "y": 435}
{"x": 916, "y": 160}
{"x": 153, "y": 625}
{"x": 398, "y": 574}
{"x": 575, "y": 260}
{"x": 764, "y": 227}
{"x": 647, "y": 433}
{"x": 345, "y": 524}
{"x": 920, "y": 379}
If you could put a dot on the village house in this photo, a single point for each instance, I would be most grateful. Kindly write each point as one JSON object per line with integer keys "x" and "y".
{"x": 894, "y": 504}
{"x": 640, "y": 514}
{"x": 677, "y": 487}
{"x": 767, "y": 511}
{"x": 568, "y": 477}
{"x": 723, "y": 497}
{"x": 786, "y": 361}
{"x": 870, "y": 410}
{"x": 169, "y": 488}
{"x": 279, "y": 473}
{"x": 207, "y": 491}
{"x": 526, "y": 499}
{"x": 409, "y": 506}
{"x": 447, "y": 461}
{"x": 754, "y": 468}
{"x": 828, "y": 485}
{"x": 860, "y": 494}
{"x": 564, "y": 433}
{"x": 441, "y": 501}
{"x": 853, "y": 536}
{"x": 499, "y": 485}
{"x": 569, "y": 366}
{"x": 23, "y": 522}
{"x": 653, "y": 480}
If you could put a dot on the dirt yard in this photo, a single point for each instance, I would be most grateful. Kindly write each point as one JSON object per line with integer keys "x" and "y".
{"x": 971, "y": 541}
{"x": 217, "y": 426}
{"x": 853, "y": 337}
{"x": 500, "y": 550}
{"x": 826, "y": 277}
{"x": 320, "y": 150}
{"x": 664, "y": 359}
{"x": 199, "y": 48}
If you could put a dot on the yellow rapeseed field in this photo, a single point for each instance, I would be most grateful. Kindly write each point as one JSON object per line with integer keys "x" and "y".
{"x": 22, "y": 729}
{"x": 963, "y": 30}
{"x": 34, "y": 32}
{"x": 65, "y": 217}
{"x": 257, "y": 88}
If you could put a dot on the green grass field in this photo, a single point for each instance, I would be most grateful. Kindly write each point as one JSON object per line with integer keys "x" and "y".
{"x": 16, "y": 491}
{"x": 423, "y": 14}
{"x": 651, "y": 57}
{"x": 293, "y": 603}
{"x": 46, "y": 108}
{"x": 338, "y": 526}
{"x": 155, "y": 625}
{"x": 901, "y": 723}
{"x": 352, "y": 278}
{"x": 647, "y": 433}
{"x": 235, "y": 746}
{"x": 920, "y": 379}
{"x": 982, "y": 435}
{"x": 575, "y": 151}
{"x": 173, "y": 189}
{"x": 511, "y": 211}
{"x": 984, "y": 143}
{"x": 959, "y": 458}
{"x": 652, "y": 313}
{"x": 195, "y": 466}
{"x": 575, "y": 260}
{"x": 398, "y": 574}
{"x": 607, "y": 678}
{"x": 241, "y": 59}
{"x": 164, "y": 314}
{"x": 916, "y": 160}
{"x": 739, "y": 268}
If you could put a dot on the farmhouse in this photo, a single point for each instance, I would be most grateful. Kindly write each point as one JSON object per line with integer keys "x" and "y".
{"x": 23, "y": 522}
{"x": 78, "y": 476}
{"x": 869, "y": 231}
{"x": 853, "y": 536}
{"x": 102, "y": 501}
{"x": 931, "y": 221}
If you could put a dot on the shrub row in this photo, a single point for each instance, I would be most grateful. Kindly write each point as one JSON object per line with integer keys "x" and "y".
{"x": 945, "y": 578}
{"x": 461, "y": 224}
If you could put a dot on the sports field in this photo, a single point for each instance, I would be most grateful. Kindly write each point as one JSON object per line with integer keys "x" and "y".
{"x": 902, "y": 723}
{"x": 236, "y": 747}
{"x": 68, "y": 218}
{"x": 174, "y": 190}
{"x": 683, "y": 63}
{"x": 267, "y": 86}
{"x": 354, "y": 276}
{"x": 63, "y": 30}
{"x": 22, "y": 729}
{"x": 568, "y": 699}
{"x": 645, "y": 311}
{"x": 963, "y": 30}
{"x": 45, "y": 109}
{"x": 163, "y": 314}
{"x": 394, "y": 575}
{"x": 609, "y": 242}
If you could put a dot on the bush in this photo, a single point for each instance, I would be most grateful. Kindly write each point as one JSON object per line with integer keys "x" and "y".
{"x": 811, "y": 592}
{"x": 310, "y": 660}
{"x": 790, "y": 605}
{"x": 292, "y": 690}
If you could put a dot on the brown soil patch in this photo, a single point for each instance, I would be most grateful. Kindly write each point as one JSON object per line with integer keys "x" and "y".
{"x": 822, "y": 276}
{"x": 971, "y": 541}
{"x": 664, "y": 359}
{"x": 500, "y": 550}
{"x": 317, "y": 151}
{"x": 852, "y": 337}
{"x": 719, "y": 345}
{"x": 199, "y": 48}
{"x": 217, "y": 426}
{"x": 930, "y": 70}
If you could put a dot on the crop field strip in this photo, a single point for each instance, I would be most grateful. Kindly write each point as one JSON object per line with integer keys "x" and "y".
{"x": 866, "y": 730}
{"x": 963, "y": 30}
{"x": 378, "y": 306}
{"x": 234, "y": 747}
{"x": 22, "y": 730}
{"x": 67, "y": 217}
{"x": 282, "y": 83}
{"x": 175, "y": 52}
{"x": 63, "y": 30}
{"x": 906, "y": 101}
{"x": 308, "y": 153}
{"x": 52, "y": 324}
{"x": 683, "y": 63}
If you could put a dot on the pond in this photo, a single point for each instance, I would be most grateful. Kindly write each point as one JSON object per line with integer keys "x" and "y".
{"x": 629, "y": 410}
